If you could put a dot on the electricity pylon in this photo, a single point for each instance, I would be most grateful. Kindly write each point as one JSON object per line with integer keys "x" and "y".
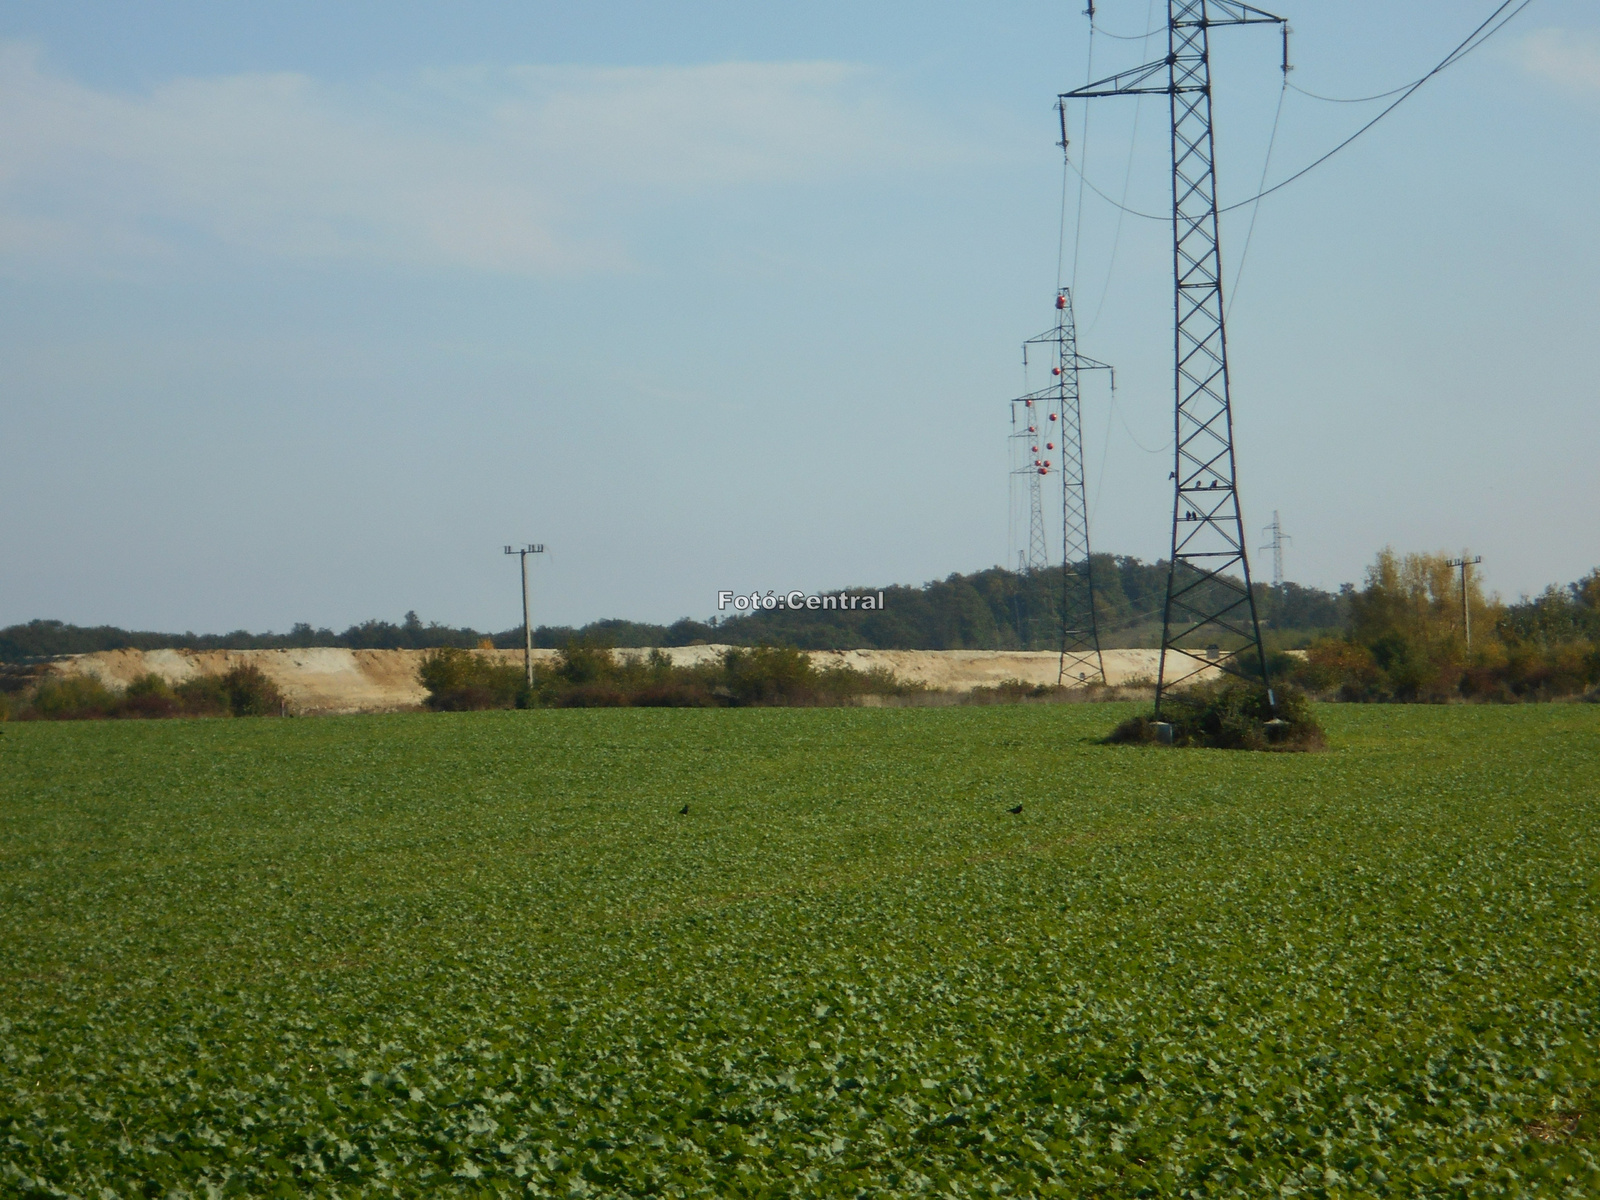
{"x": 1027, "y": 465}
{"x": 1080, "y": 636}
{"x": 1207, "y": 604}
{"x": 1276, "y": 538}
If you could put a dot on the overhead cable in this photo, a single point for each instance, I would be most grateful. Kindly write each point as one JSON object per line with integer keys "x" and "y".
{"x": 1128, "y": 37}
{"x": 1255, "y": 212}
{"x": 1353, "y": 99}
{"x": 1476, "y": 38}
{"x": 1472, "y": 42}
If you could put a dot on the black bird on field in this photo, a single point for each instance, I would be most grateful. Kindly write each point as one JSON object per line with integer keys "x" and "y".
{"x": 684, "y": 811}
{"x": 1014, "y": 811}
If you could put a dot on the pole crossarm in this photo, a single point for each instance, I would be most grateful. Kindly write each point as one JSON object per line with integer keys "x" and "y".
{"x": 1237, "y": 14}
{"x": 1125, "y": 83}
{"x": 1139, "y": 80}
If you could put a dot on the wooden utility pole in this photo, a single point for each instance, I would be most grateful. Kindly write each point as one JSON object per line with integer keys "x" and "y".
{"x": 1466, "y": 611}
{"x": 527, "y": 625}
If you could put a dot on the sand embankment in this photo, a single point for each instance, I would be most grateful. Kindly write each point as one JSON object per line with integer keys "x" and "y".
{"x": 332, "y": 680}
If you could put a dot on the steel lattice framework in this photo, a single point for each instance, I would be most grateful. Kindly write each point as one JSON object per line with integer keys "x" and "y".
{"x": 1080, "y": 635}
{"x": 1027, "y": 415}
{"x": 1025, "y": 430}
{"x": 1209, "y": 618}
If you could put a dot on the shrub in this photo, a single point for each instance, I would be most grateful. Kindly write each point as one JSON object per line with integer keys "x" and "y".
{"x": 590, "y": 675}
{"x": 72, "y": 698}
{"x": 689, "y": 693}
{"x": 202, "y": 696}
{"x": 250, "y": 693}
{"x": 593, "y": 695}
{"x": 583, "y": 661}
{"x": 1230, "y": 714}
{"x": 463, "y": 680}
{"x": 1011, "y": 691}
{"x": 149, "y": 696}
{"x": 1335, "y": 665}
{"x": 769, "y": 675}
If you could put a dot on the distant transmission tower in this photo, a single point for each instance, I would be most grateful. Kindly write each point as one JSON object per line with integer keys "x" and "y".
{"x": 1080, "y": 637}
{"x": 1028, "y": 467}
{"x": 1028, "y": 464}
{"x": 1276, "y": 537}
{"x": 1209, "y": 618}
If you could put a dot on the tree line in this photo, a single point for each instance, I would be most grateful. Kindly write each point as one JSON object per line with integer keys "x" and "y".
{"x": 1408, "y": 639}
{"x": 996, "y": 609}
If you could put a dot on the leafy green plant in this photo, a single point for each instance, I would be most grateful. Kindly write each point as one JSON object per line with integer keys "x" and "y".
{"x": 251, "y": 693}
{"x": 463, "y": 680}
{"x": 453, "y": 955}
{"x": 1230, "y": 714}
{"x": 71, "y": 698}
{"x": 583, "y": 662}
{"x": 149, "y": 696}
{"x": 202, "y": 696}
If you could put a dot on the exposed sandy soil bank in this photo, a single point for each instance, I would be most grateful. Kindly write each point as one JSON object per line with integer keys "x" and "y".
{"x": 330, "y": 680}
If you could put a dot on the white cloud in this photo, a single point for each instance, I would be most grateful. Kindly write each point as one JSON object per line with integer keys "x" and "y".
{"x": 1565, "y": 57}
{"x": 528, "y": 170}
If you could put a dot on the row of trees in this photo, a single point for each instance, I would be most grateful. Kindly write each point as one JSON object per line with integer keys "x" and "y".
{"x": 1006, "y": 610}
{"x": 987, "y": 610}
{"x": 1407, "y": 638}
{"x": 47, "y": 639}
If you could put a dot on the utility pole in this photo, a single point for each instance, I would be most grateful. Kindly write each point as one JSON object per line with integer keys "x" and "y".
{"x": 1276, "y": 538}
{"x": 1204, "y": 600}
{"x": 1466, "y": 612}
{"x": 527, "y": 627}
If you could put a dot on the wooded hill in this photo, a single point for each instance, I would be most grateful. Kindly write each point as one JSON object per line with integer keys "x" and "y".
{"x": 995, "y": 609}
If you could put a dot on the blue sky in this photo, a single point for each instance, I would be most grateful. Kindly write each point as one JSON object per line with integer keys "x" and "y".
{"x": 306, "y": 309}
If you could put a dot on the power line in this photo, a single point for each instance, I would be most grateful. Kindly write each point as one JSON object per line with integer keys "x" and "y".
{"x": 1255, "y": 212}
{"x": 1473, "y": 40}
{"x": 1077, "y": 233}
{"x": 1454, "y": 56}
{"x": 1127, "y": 37}
{"x": 1353, "y": 99}
{"x": 1127, "y": 183}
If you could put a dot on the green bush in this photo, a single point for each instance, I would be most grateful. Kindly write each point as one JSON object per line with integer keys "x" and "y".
{"x": 245, "y": 691}
{"x": 202, "y": 696}
{"x": 590, "y": 675}
{"x": 251, "y": 694}
{"x": 583, "y": 662}
{"x": 150, "y": 696}
{"x": 464, "y": 680}
{"x": 72, "y": 698}
{"x": 1230, "y": 714}
{"x": 769, "y": 675}
{"x": 1012, "y": 691}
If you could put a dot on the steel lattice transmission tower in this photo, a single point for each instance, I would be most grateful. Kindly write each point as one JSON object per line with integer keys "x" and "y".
{"x": 1061, "y": 403}
{"x": 1276, "y": 538}
{"x": 1209, "y": 618}
{"x": 1028, "y": 466}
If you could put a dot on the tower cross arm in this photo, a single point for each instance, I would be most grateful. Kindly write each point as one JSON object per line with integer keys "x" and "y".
{"x": 1152, "y": 79}
{"x": 1233, "y": 13}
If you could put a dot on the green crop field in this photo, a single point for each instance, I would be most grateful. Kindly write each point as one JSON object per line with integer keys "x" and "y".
{"x": 485, "y": 954}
